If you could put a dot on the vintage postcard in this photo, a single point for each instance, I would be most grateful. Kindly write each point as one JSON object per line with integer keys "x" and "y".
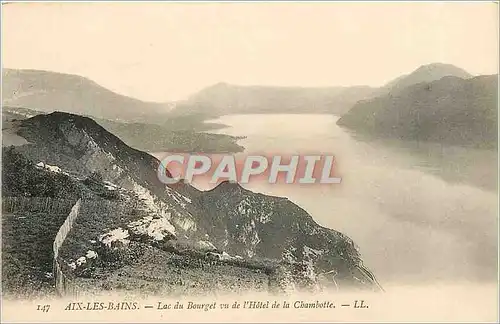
{"x": 219, "y": 162}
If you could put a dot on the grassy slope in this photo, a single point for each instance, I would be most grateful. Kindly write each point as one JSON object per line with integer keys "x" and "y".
{"x": 27, "y": 239}
{"x": 28, "y": 232}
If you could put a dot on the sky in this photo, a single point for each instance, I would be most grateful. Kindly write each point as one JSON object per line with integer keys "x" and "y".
{"x": 167, "y": 51}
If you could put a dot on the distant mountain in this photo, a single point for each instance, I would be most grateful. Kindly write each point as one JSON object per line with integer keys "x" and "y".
{"x": 161, "y": 138}
{"x": 225, "y": 239}
{"x": 51, "y": 91}
{"x": 144, "y": 125}
{"x": 425, "y": 73}
{"x": 450, "y": 110}
{"x": 222, "y": 99}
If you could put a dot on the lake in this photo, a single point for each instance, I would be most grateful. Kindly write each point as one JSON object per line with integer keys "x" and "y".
{"x": 420, "y": 213}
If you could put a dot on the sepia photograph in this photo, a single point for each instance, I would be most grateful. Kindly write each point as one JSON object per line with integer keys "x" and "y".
{"x": 249, "y": 161}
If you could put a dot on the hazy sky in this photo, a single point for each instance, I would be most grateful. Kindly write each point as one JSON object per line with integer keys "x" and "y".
{"x": 161, "y": 51}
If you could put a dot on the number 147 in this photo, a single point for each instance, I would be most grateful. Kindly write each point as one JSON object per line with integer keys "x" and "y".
{"x": 43, "y": 308}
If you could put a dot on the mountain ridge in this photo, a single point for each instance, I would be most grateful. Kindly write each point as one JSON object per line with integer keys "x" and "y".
{"x": 55, "y": 91}
{"x": 225, "y": 98}
{"x": 424, "y": 73}
{"x": 450, "y": 110}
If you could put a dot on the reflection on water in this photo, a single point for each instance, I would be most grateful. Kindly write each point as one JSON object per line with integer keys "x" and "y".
{"x": 419, "y": 213}
{"x": 477, "y": 167}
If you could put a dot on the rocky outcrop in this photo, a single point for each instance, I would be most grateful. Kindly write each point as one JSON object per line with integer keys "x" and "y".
{"x": 256, "y": 225}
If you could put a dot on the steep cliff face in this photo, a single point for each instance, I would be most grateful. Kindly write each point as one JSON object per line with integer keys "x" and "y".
{"x": 217, "y": 231}
{"x": 81, "y": 146}
{"x": 251, "y": 224}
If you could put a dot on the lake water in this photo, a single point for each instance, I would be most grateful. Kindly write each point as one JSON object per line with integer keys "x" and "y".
{"x": 419, "y": 213}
